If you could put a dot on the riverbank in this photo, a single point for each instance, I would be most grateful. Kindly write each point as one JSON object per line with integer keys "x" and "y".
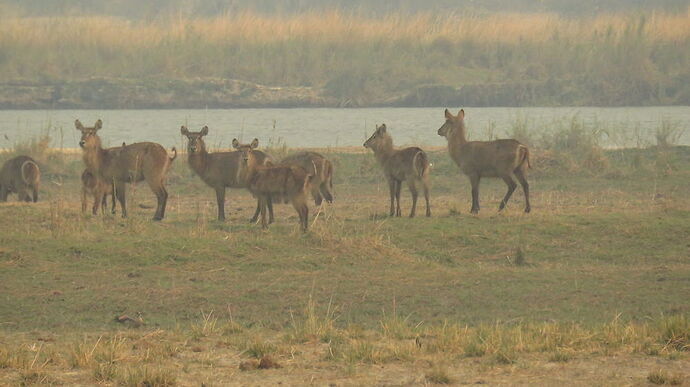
{"x": 116, "y": 93}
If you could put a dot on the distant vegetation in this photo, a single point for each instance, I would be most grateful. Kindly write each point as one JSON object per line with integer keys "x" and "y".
{"x": 414, "y": 60}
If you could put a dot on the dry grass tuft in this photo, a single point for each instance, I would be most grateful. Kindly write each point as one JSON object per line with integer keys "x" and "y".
{"x": 146, "y": 376}
{"x": 207, "y": 326}
{"x": 438, "y": 375}
{"x": 675, "y": 332}
{"x": 662, "y": 377}
{"x": 313, "y": 326}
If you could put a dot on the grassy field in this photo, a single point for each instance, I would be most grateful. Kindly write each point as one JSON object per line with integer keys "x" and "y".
{"x": 592, "y": 287}
{"x": 422, "y": 60}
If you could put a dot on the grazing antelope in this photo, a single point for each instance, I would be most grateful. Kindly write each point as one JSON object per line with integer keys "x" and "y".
{"x": 289, "y": 183}
{"x": 22, "y": 176}
{"x": 408, "y": 164}
{"x": 220, "y": 169}
{"x": 91, "y": 185}
{"x": 322, "y": 170}
{"x": 133, "y": 163}
{"x": 477, "y": 159}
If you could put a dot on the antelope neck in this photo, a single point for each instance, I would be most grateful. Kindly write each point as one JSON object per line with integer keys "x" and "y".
{"x": 198, "y": 160}
{"x": 384, "y": 150}
{"x": 94, "y": 157}
{"x": 457, "y": 136}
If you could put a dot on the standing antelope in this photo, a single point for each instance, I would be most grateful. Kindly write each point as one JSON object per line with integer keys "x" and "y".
{"x": 133, "y": 163}
{"x": 21, "y": 175}
{"x": 289, "y": 183}
{"x": 91, "y": 185}
{"x": 408, "y": 164}
{"x": 98, "y": 189}
{"x": 322, "y": 170}
{"x": 219, "y": 169}
{"x": 477, "y": 159}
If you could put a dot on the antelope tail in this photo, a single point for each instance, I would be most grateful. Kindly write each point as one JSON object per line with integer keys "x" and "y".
{"x": 174, "y": 154}
{"x": 525, "y": 156}
{"x": 328, "y": 172}
{"x": 30, "y": 172}
{"x": 420, "y": 163}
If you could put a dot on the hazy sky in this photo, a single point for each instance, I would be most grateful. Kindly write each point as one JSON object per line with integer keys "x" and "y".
{"x": 154, "y": 8}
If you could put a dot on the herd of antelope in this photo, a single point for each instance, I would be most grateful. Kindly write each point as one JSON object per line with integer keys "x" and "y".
{"x": 290, "y": 180}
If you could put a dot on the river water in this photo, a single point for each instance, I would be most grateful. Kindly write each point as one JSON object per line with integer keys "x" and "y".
{"x": 619, "y": 127}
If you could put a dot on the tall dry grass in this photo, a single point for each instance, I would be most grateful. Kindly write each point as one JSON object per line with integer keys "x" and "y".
{"x": 608, "y": 59}
{"x": 111, "y": 32}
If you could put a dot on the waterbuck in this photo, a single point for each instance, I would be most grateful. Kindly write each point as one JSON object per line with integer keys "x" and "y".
{"x": 477, "y": 159}
{"x": 97, "y": 188}
{"x": 220, "y": 169}
{"x": 22, "y": 176}
{"x": 322, "y": 170}
{"x": 408, "y": 164}
{"x": 288, "y": 183}
{"x": 133, "y": 163}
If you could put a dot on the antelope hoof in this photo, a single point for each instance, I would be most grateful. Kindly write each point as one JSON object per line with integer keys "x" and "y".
{"x": 428, "y": 214}
{"x": 527, "y": 210}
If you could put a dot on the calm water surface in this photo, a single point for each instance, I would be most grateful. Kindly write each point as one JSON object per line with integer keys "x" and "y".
{"x": 629, "y": 126}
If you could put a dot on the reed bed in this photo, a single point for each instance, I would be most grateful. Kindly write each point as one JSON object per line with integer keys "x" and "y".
{"x": 610, "y": 59}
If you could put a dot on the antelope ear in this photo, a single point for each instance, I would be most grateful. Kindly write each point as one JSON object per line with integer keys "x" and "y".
{"x": 461, "y": 114}
{"x": 78, "y": 125}
{"x": 255, "y": 143}
{"x": 448, "y": 115}
{"x": 204, "y": 131}
{"x": 382, "y": 128}
{"x": 184, "y": 130}
{"x": 235, "y": 143}
{"x": 98, "y": 124}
